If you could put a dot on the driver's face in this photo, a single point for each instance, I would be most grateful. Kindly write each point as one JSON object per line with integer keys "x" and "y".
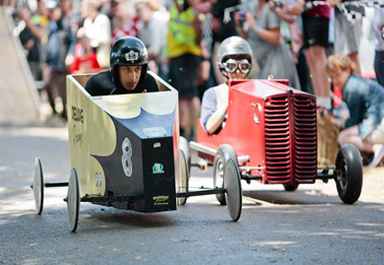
{"x": 236, "y": 75}
{"x": 129, "y": 76}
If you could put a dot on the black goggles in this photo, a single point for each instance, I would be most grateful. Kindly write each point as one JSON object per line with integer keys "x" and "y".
{"x": 231, "y": 65}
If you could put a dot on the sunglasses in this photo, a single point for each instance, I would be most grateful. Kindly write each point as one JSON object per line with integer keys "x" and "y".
{"x": 231, "y": 66}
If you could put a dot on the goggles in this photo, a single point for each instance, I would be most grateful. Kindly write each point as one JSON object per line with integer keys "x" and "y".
{"x": 231, "y": 65}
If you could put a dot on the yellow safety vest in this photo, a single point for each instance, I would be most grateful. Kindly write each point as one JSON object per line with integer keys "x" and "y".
{"x": 181, "y": 33}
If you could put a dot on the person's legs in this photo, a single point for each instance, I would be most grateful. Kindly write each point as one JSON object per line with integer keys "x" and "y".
{"x": 60, "y": 83}
{"x": 184, "y": 117}
{"x": 316, "y": 60}
{"x": 315, "y": 34}
{"x": 183, "y": 76}
{"x": 355, "y": 62}
{"x": 49, "y": 88}
{"x": 379, "y": 66}
{"x": 303, "y": 72}
{"x": 351, "y": 136}
{"x": 347, "y": 39}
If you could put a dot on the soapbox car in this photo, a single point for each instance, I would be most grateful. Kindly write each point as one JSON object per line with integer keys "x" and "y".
{"x": 124, "y": 153}
{"x": 271, "y": 133}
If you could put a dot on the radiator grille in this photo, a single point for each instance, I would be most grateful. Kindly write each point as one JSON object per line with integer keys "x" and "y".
{"x": 277, "y": 139}
{"x": 305, "y": 138}
{"x": 290, "y": 139}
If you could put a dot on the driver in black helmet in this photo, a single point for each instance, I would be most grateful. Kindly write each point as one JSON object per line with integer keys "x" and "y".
{"x": 128, "y": 74}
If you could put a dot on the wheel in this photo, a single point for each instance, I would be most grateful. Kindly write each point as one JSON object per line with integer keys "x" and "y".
{"x": 184, "y": 145}
{"x": 224, "y": 153}
{"x": 184, "y": 178}
{"x": 349, "y": 178}
{"x": 290, "y": 187}
{"x": 234, "y": 195}
{"x": 38, "y": 186}
{"x": 73, "y": 200}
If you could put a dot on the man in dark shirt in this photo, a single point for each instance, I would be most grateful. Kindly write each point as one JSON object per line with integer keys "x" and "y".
{"x": 30, "y": 38}
{"x": 128, "y": 74}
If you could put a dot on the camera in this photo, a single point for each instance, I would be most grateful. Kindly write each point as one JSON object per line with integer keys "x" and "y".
{"x": 382, "y": 33}
{"x": 242, "y": 17}
{"x": 278, "y": 3}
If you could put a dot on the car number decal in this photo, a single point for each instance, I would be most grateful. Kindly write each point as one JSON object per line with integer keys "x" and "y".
{"x": 126, "y": 158}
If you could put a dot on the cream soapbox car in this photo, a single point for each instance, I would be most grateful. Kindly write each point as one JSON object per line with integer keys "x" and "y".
{"x": 124, "y": 153}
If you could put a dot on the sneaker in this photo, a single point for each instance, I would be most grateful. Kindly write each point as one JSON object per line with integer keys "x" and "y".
{"x": 377, "y": 158}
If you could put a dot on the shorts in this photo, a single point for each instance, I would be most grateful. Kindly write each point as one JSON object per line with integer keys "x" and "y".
{"x": 315, "y": 31}
{"x": 183, "y": 72}
{"x": 377, "y": 136}
{"x": 347, "y": 35}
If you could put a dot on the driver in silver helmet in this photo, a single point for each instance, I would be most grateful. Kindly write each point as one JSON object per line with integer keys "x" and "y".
{"x": 234, "y": 60}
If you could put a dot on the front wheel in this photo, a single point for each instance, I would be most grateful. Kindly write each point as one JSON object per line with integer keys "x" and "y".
{"x": 223, "y": 155}
{"x": 349, "y": 173}
{"x": 290, "y": 187}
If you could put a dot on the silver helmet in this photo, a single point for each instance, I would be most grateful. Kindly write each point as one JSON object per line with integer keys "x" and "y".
{"x": 233, "y": 47}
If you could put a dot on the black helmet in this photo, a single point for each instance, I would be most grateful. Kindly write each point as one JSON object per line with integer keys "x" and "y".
{"x": 129, "y": 51}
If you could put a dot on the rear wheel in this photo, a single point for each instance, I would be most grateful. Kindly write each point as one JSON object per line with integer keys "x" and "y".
{"x": 73, "y": 200}
{"x": 184, "y": 178}
{"x": 290, "y": 187}
{"x": 349, "y": 173}
{"x": 223, "y": 155}
{"x": 38, "y": 186}
{"x": 184, "y": 145}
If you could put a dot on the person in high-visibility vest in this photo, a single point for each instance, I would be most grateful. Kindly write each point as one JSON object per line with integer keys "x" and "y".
{"x": 183, "y": 50}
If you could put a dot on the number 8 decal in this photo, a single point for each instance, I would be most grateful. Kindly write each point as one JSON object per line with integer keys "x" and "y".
{"x": 126, "y": 158}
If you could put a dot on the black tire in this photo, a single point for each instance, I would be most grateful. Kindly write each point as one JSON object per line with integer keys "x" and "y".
{"x": 184, "y": 145}
{"x": 234, "y": 194}
{"x": 184, "y": 178}
{"x": 290, "y": 187}
{"x": 73, "y": 200}
{"x": 38, "y": 186}
{"x": 349, "y": 177}
{"x": 222, "y": 156}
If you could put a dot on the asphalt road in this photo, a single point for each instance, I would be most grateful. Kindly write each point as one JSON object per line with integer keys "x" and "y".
{"x": 308, "y": 226}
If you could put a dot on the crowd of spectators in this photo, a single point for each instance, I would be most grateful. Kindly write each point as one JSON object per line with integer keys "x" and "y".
{"x": 289, "y": 40}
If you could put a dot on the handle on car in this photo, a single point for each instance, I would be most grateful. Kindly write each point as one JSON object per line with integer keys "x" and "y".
{"x": 256, "y": 117}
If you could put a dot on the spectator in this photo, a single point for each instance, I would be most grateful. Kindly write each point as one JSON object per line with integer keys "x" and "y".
{"x": 41, "y": 19}
{"x": 315, "y": 32}
{"x": 105, "y": 8}
{"x": 97, "y": 28}
{"x": 59, "y": 42}
{"x": 234, "y": 62}
{"x": 221, "y": 30}
{"x": 378, "y": 26}
{"x": 261, "y": 28}
{"x": 30, "y": 38}
{"x": 347, "y": 33}
{"x": 124, "y": 23}
{"x": 183, "y": 49}
{"x": 295, "y": 37}
{"x": 71, "y": 21}
{"x": 365, "y": 101}
{"x": 85, "y": 58}
{"x": 153, "y": 33}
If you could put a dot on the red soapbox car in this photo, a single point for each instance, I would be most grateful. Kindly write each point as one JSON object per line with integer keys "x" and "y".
{"x": 271, "y": 135}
